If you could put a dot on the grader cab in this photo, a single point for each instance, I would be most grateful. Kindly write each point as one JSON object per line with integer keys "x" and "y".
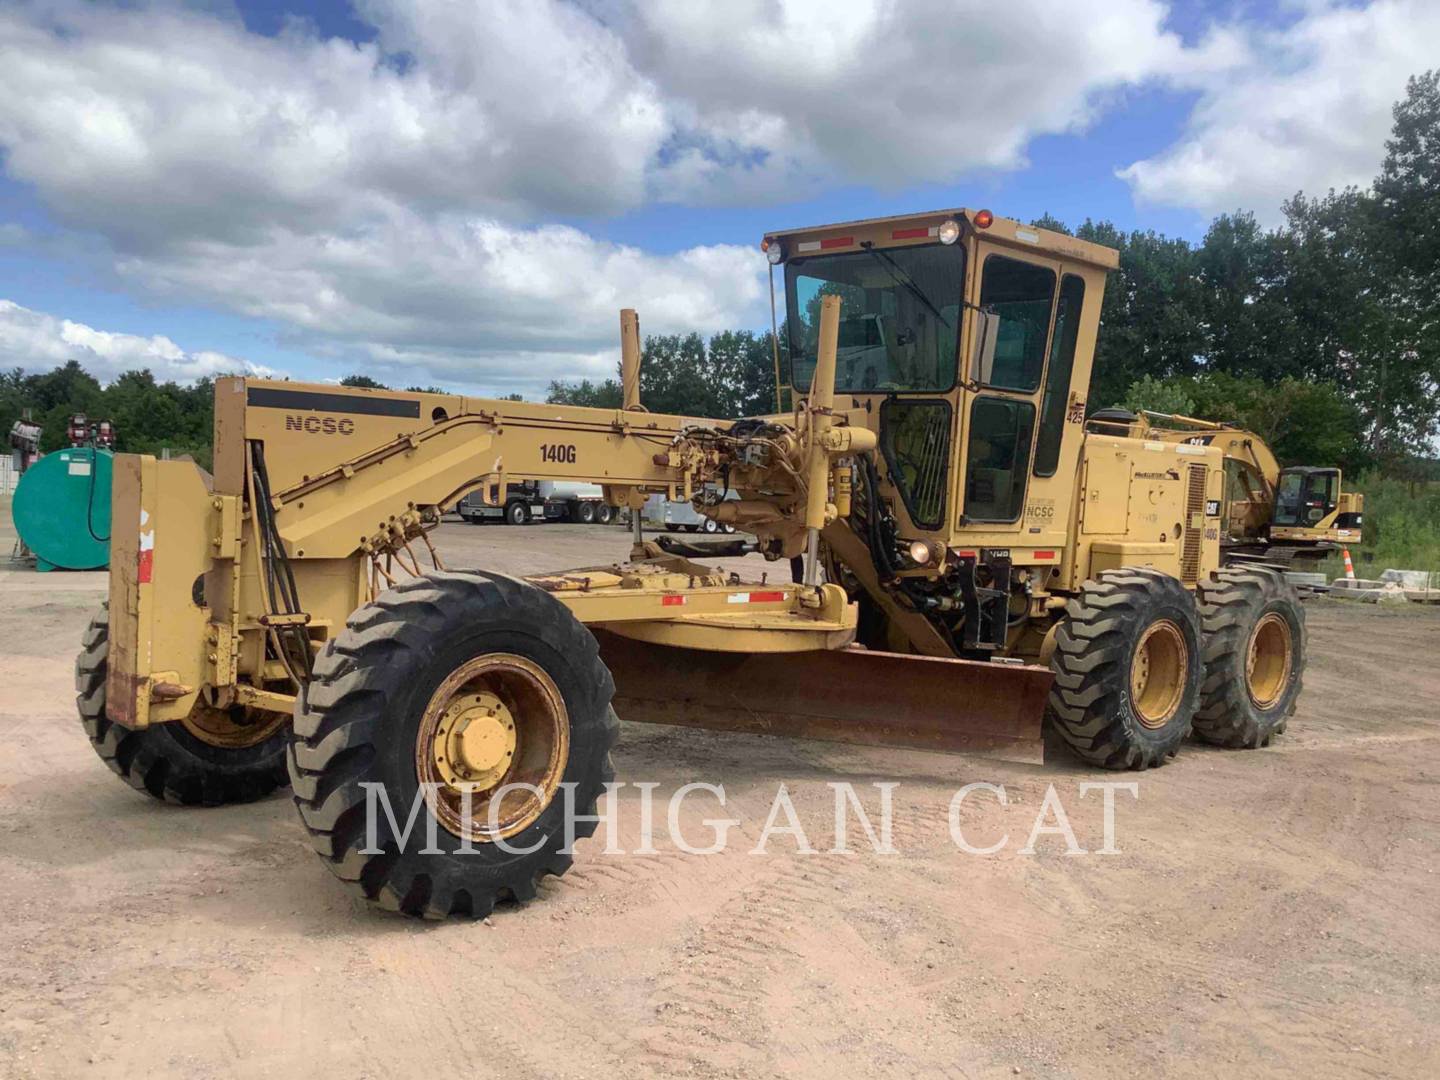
{"x": 962, "y": 556}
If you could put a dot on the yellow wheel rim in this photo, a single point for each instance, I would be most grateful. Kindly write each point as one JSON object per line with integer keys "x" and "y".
{"x": 1268, "y": 659}
{"x": 1157, "y": 673}
{"x": 232, "y": 729}
{"x": 498, "y": 720}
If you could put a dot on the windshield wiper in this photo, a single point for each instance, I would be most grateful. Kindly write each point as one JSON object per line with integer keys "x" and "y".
{"x": 903, "y": 276}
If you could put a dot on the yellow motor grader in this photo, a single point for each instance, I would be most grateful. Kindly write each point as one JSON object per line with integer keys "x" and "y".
{"x": 961, "y": 555}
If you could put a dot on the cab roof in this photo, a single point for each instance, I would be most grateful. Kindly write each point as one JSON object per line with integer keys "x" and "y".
{"x": 919, "y": 228}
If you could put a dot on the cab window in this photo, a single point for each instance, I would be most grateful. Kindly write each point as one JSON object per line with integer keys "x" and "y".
{"x": 915, "y": 438}
{"x": 999, "y": 458}
{"x": 1021, "y": 294}
{"x": 899, "y": 317}
{"x": 1057, "y": 376}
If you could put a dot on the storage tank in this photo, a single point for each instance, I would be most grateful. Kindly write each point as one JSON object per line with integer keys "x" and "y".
{"x": 62, "y": 509}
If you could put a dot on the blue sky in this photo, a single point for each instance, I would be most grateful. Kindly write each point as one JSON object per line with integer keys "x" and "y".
{"x": 465, "y": 194}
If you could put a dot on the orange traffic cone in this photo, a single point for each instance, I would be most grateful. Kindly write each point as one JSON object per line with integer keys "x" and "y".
{"x": 1349, "y": 566}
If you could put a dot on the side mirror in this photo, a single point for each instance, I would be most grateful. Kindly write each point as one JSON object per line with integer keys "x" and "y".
{"x": 982, "y": 357}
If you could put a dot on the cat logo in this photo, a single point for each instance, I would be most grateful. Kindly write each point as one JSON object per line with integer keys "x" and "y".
{"x": 319, "y": 425}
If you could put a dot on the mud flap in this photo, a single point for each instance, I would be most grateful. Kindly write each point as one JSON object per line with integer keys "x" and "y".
{"x": 851, "y": 695}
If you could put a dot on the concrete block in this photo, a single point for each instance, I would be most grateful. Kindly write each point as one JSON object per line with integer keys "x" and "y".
{"x": 1373, "y": 593}
{"x": 1412, "y": 579}
{"x": 1358, "y": 583}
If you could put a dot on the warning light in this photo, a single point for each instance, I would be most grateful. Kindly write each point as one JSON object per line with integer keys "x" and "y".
{"x": 984, "y": 219}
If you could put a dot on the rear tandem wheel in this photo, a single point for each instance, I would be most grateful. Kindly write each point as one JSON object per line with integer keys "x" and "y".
{"x": 1254, "y": 656}
{"x": 1128, "y": 667}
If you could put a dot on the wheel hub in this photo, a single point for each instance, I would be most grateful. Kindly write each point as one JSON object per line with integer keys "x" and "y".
{"x": 234, "y": 728}
{"x": 1158, "y": 673}
{"x": 492, "y": 746}
{"x": 1268, "y": 659}
{"x": 475, "y": 741}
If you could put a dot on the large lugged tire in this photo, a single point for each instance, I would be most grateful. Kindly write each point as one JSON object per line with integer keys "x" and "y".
{"x": 397, "y": 699}
{"x": 1127, "y": 669}
{"x": 1254, "y": 651}
{"x": 172, "y": 761}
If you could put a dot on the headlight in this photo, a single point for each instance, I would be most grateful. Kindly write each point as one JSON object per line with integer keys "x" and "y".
{"x": 774, "y": 251}
{"x": 949, "y": 231}
{"x": 919, "y": 552}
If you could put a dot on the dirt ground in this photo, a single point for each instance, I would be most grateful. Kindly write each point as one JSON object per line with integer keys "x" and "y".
{"x": 1269, "y": 913}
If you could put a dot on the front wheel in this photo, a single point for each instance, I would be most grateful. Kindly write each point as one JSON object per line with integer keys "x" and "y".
{"x": 466, "y": 703}
{"x": 212, "y": 757}
{"x": 1254, "y": 657}
{"x": 517, "y": 513}
{"x": 1127, "y": 666}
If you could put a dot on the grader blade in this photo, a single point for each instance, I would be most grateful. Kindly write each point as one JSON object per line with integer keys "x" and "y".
{"x": 851, "y": 695}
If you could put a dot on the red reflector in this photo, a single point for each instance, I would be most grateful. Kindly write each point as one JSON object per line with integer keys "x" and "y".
{"x": 671, "y": 601}
{"x": 766, "y": 597}
{"x": 910, "y": 234}
{"x": 145, "y": 567}
{"x": 838, "y": 241}
{"x": 1044, "y": 554}
{"x": 966, "y": 554}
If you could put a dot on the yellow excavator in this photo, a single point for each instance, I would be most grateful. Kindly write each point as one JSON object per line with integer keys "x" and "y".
{"x": 954, "y": 555}
{"x": 1271, "y": 515}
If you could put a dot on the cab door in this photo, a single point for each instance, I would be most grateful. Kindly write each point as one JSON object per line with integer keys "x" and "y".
{"x": 1002, "y": 415}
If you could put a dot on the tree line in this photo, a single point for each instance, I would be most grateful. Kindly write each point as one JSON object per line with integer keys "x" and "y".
{"x": 1321, "y": 334}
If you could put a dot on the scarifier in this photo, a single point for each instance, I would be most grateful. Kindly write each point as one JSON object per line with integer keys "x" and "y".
{"x": 963, "y": 555}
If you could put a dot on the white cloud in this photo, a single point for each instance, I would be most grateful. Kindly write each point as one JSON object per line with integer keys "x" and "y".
{"x": 139, "y": 123}
{"x": 1311, "y": 110}
{"x": 378, "y": 201}
{"x": 391, "y": 201}
{"x": 469, "y": 299}
{"x": 35, "y": 341}
{"x": 772, "y": 95}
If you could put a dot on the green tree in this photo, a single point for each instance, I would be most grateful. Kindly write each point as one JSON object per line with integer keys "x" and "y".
{"x": 1152, "y": 317}
{"x": 1049, "y": 221}
{"x": 1302, "y": 421}
{"x": 363, "y": 382}
{"x": 603, "y": 395}
{"x": 1407, "y": 236}
{"x": 1149, "y": 394}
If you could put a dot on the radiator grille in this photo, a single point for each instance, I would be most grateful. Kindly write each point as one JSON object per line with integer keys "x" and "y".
{"x": 1193, "y": 535}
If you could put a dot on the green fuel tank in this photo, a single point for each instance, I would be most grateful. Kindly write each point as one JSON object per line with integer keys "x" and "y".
{"x": 62, "y": 509}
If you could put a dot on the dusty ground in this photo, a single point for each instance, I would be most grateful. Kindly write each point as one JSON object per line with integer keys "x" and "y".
{"x": 1270, "y": 913}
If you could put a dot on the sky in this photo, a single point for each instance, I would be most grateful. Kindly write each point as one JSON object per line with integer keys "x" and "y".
{"x": 464, "y": 194}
